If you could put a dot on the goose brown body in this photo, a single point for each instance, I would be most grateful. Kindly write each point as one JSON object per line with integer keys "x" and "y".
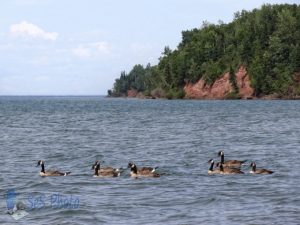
{"x": 104, "y": 169}
{"x": 141, "y": 173}
{"x": 259, "y": 171}
{"x": 143, "y": 170}
{"x": 98, "y": 172}
{"x": 47, "y": 173}
{"x": 230, "y": 163}
{"x": 228, "y": 170}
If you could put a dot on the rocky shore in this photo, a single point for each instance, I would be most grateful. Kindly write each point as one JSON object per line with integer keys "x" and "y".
{"x": 222, "y": 88}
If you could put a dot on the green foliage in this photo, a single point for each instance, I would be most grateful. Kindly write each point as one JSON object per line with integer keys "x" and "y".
{"x": 158, "y": 93}
{"x": 175, "y": 94}
{"x": 109, "y": 93}
{"x": 211, "y": 71}
{"x": 265, "y": 40}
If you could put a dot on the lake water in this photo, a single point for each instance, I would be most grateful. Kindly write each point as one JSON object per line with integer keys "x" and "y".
{"x": 70, "y": 133}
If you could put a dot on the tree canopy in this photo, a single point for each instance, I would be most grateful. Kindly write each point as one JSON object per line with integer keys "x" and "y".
{"x": 266, "y": 41}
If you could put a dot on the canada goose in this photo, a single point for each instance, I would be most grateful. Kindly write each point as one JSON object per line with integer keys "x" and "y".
{"x": 142, "y": 173}
{"x": 143, "y": 169}
{"x": 104, "y": 173}
{"x": 211, "y": 168}
{"x": 44, "y": 173}
{"x": 230, "y": 163}
{"x": 228, "y": 170}
{"x": 259, "y": 171}
{"x": 105, "y": 169}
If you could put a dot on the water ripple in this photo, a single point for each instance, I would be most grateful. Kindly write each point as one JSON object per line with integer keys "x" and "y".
{"x": 70, "y": 133}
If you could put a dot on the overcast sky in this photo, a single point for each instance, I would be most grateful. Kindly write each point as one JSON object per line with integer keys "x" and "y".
{"x": 79, "y": 47}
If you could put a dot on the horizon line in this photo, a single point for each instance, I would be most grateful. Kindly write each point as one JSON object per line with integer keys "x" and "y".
{"x": 67, "y": 95}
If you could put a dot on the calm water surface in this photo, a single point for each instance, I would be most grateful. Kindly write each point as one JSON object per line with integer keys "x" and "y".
{"x": 70, "y": 133}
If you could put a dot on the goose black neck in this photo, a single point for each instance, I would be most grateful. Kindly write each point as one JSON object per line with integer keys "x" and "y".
{"x": 253, "y": 168}
{"x": 221, "y": 167}
{"x": 97, "y": 168}
{"x": 134, "y": 169}
{"x": 43, "y": 168}
{"x": 222, "y": 159}
{"x": 211, "y": 168}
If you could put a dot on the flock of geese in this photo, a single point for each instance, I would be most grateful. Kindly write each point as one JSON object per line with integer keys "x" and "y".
{"x": 233, "y": 166}
{"x": 104, "y": 171}
{"x": 222, "y": 167}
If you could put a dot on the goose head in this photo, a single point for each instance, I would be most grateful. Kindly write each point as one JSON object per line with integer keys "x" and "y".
{"x": 95, "y": 164}
{"x": 210, "y": 161}
{"x": 220, "y": 153}
{"x": 96, "y": 168}
{"x": 253, "y": 166}
{"x": 39, "y": 163}
{"x": 132, "y": 167}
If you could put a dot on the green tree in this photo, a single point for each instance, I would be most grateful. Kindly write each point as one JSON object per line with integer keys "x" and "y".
{"x": 264, "y": 40}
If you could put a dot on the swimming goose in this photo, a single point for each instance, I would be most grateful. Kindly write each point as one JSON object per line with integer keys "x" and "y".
{"x": 47, "y": 173}
{"x": 105, "y": 169}
{"x": 228, "y": 170}
{"x": 142, "y": 173}
{"x": 259, "y": 171}
{"x": 230, "y": 163}
{"x": 104, "y": 173}
{"x": 143, "y": 169}
{"x": 211, "y": 169}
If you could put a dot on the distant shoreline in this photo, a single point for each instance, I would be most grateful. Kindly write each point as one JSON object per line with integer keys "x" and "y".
{"x": 52, "y": 96}
{"x": 211, "y": 99}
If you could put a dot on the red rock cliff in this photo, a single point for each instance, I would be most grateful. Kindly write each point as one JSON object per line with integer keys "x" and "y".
{"x": 221, "y": 87}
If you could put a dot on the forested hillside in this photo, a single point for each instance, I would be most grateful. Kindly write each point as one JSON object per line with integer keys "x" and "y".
{"x": 265, "y": 41}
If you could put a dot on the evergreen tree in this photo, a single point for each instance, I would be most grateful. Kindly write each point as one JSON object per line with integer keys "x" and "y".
{"x": 266, "y": 41}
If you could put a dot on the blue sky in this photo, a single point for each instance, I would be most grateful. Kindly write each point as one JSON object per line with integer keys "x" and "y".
{"x": 79, "y": 47}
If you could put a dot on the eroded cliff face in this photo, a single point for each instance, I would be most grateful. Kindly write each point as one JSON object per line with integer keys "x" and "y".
{"x": 132, "y": 93}
{"x": 135, "y": 94}
{"x": 221, "y": 88}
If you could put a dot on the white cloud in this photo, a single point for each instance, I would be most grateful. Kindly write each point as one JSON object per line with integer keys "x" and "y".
{"x": 92, "y": 50}
{"x": 102, "y": 47}
{"x": 82, "y": 52}
{"x": 25, "y": 29}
